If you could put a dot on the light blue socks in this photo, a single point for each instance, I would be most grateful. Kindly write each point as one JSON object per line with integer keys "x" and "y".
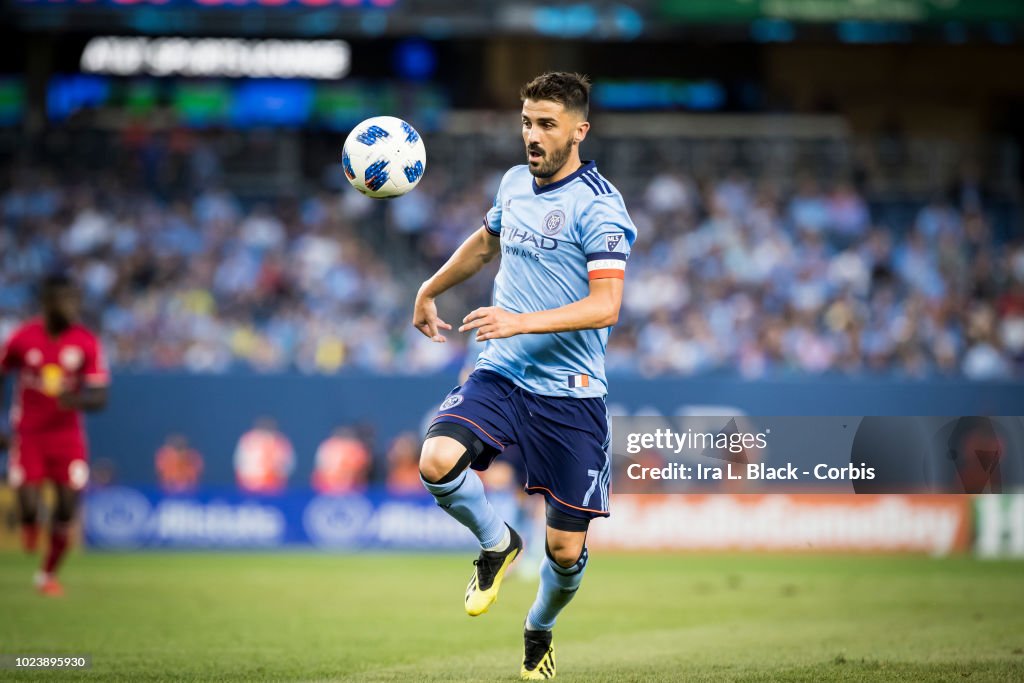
{"x": 465, "y": 500}
{"x": 557, "y": 587}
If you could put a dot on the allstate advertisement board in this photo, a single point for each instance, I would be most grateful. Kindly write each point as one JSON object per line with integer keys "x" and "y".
{"x": 127, "y": 518}
{"x": 122, "y": 517}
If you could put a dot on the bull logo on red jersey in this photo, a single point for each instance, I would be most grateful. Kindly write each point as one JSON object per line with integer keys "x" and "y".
{"x": 51, "y": 379}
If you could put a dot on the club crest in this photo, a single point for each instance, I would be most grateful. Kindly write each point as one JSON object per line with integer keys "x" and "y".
{"x": 451, "y": 401}
{"x": 553, "y": 222}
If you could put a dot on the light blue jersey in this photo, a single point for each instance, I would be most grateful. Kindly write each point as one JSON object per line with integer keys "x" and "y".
{"x": 554, "y": 240}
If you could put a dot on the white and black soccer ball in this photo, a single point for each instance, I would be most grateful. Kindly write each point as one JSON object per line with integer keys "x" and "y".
{"x": 384, "y": 157}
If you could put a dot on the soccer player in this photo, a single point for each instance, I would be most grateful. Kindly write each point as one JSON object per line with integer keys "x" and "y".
{"x": 564, "y": 236}
{"x": 60, "y": 372}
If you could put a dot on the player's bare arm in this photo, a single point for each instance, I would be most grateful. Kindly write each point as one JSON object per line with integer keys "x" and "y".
{"x": 88, "y": 399}
{"x": 597, "y": 310}
{"x": 4, "y": 438}
{"x": 478, "y": 250}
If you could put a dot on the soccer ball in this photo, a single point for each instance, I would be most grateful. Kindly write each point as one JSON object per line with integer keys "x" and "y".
{"x": 384, "y": 157}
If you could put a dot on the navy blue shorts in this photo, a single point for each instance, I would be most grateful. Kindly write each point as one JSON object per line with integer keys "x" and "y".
{"x": 564, "y": 442}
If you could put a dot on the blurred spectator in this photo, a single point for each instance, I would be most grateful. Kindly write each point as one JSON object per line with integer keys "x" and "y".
{"x": 342, "y": 463}
{"x": 178, "y": 466}
{"x": 403, "y": 464}
{"x": 500, "y": 477}
{"x": 264, "y": 459}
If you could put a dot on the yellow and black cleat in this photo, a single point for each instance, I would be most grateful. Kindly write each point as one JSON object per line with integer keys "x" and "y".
{"x": 490, "y": 568}
{"x": 538, "y": 656}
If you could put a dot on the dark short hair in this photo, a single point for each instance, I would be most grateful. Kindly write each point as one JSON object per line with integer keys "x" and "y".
{"x": 55, "y": 281}
{"x": 571, "y": 90}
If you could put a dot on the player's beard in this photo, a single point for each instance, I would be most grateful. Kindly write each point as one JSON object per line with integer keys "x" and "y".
{"x": 57, "y": 321}
{"x": 551, "y": 162}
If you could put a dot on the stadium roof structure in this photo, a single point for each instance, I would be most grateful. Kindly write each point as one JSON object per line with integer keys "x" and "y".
{"x": 745, "y": 20}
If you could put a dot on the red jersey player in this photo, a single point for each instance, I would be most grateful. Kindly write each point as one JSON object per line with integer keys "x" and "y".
{"x": 59, "y": 370}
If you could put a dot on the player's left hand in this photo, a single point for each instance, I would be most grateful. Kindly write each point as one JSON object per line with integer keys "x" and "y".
{"x": 67, "y": 400}
{"x": 492, "y": 322}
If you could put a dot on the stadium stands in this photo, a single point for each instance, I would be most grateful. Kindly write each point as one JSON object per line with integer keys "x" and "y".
{"x": 740, "y": 270}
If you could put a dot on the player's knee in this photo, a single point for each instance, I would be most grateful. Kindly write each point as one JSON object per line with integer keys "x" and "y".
{"x": 67, "y": 505}
{"x": 64, "y": 512}
{"x": 447, "y": 451}
{"x": 565, "y": 552}
{"x": 63, "y": 515}
{"x": 440, "y": 454}
{"x": 566, "y": 536}
{"x": 28, "y": 504}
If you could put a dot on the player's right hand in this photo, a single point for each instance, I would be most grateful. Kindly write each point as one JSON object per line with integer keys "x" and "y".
{"x": 424, "y": 319}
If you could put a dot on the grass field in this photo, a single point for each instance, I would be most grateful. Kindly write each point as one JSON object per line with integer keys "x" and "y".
{"x": 207, "y": 617}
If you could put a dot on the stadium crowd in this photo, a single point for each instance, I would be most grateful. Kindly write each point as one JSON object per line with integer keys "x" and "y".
{"x": 731, "y": 274}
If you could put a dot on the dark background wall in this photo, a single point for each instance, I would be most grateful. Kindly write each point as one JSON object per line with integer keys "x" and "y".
{"x": 213, "y": 411}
